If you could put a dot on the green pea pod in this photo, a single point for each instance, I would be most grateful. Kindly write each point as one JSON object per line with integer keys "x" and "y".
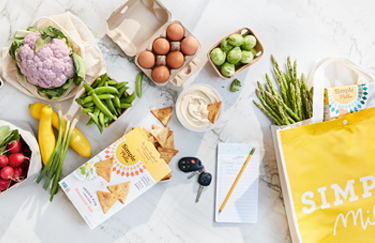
{"x": 101, "y": 119}
{"x": 138, "y": 84}
{"x": 101, "y": 84}
{"x": 90, "y": 104}
{"x": 112, "y": 83}
{"x": 96, "y": 83}
{"x": 96, "y": 121}
{"x": 96, "y": 111}
{"x": 122, "y": 90}
{"x": 104, "y": 77}
{"x": 125, "y": 105}
{"x": 119, "y": 111}
{"x": 101, "y": 96}
{"x": 128, "y": 99}
{"x": 91, "y": 121}
{"x": 87, "y": 110}
{"x": 120, "y": 85}
{"x": 87, "y": 87}
{"x": 116, "y": 101}
{"x": 102, "y": 107}
{"x": 79, "y": 101}
{"x": 111, "y": 106}
{"x": 104, "y": 89}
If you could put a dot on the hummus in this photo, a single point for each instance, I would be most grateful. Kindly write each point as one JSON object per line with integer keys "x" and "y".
{"x": 193, "y": 106}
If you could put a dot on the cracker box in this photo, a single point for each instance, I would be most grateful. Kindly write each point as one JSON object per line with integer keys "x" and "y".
{"x": 343, "y": 100}
{"x": 114, "y": 177}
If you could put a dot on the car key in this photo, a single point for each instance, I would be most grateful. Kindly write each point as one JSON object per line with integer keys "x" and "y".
{"x": 196, "y": 173}
{"x": 204, "y": 179}
{"x": 189, "y": 164}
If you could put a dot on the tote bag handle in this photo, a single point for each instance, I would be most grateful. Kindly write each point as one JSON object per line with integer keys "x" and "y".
{"x": 316, "y": 78}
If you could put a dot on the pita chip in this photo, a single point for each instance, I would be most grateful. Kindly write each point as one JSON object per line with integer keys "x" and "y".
{"x": 160, "y": 134}
{"x": 107, "y": 200}
{"x": 170, "y": 142}
{"x": 167, "y": 177}
{"x": 163, "y": 115}
{"x": 120, "y": 190}
{"x": 213, "y": 111}
{"x": 155, "y": 126}
{"x": 104, "y": 168}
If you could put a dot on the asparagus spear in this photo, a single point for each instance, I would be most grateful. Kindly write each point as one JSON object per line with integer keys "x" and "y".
{"x": 283, "y": 116}
{"x": 307, "y": 104}
{"x": 290, "y": 69}
{"x": 298, "y": 101}
{"x": 261, "y": 89}
{"x": 269, "y": 106}
{"x": 286, "y": 108}
{"x": 269, "y": 114}
{"x": 295, "y": 70}
{"x": 274, "y": 91}
{"x": 283, "y": 87}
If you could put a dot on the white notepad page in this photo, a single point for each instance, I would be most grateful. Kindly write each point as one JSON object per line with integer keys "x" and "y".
{"x": 242, "y": 205}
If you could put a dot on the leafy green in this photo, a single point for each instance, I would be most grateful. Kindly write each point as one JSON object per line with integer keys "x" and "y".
{"x": 235, "y": 86}
{"x": 42, "y": 42}
{"x": 32, "y": 29}
{"x": 7, "y": 137}
{"x": 79, "y": 65}
{"x": 55, "y": 93}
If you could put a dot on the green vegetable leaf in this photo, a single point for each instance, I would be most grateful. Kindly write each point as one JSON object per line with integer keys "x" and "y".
{"x": 16, "y": 44}
{"x": 83, "y": 170}
{"x": 4, "y": 133}
{"x": 79, "y": 65}
{"x": 55, "y": 93}
{"x": 32, "y": 29}
{"x": 7, "y": 137}
{"x": 235, "y": 86}
{"x": 42, "y": 42}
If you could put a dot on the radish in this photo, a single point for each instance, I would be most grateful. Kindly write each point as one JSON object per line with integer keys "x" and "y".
{"x": 17, "y": 173}
{"x": 26, "y": 151}
{"x": 15, "y": 160}
{"x": 6, "y": 172}
{"x": 4, "y": 184}
{"x": 15, "y": 147}
{"x": 3, "y": 161}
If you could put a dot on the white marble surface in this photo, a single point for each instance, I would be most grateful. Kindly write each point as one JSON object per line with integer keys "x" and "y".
{"x": 304, "y": 29}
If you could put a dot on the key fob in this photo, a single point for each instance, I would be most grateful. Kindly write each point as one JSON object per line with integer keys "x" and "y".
{"x": 188, "y": 164}
{"x": 205, "y": 178}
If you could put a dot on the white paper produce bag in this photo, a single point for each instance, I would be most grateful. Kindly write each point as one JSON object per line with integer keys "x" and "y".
{"x": 28, "y": 136}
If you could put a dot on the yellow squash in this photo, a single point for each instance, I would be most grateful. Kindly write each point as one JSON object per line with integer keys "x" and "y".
{"x": 46, "y": 137}
{"x": 79, "y": 141}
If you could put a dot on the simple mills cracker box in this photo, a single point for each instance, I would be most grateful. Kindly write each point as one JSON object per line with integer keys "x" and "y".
{"x": 340, "y": 101}
{"x": 114, "y": 177}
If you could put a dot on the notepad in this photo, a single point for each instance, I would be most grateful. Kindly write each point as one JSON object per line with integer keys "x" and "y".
{"x": 242, "y": 205}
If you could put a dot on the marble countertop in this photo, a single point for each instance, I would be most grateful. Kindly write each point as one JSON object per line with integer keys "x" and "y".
{"x": 306, "y": 30}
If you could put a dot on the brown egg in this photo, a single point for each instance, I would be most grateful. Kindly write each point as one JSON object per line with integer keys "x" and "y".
{"x": 175, "y": 32}
{"x": 161, "y": 46}
{"x": 160, "y": 74}
{"x": 146, "y": 59}
{"x": 189, "y": 45}
{"x": 175, "y": 59}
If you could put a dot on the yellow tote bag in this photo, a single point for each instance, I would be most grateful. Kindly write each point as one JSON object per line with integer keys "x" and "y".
{"x": 330, "y": 168}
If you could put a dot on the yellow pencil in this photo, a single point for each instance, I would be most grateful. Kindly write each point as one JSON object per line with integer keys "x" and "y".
{"x": 238, "y": 177}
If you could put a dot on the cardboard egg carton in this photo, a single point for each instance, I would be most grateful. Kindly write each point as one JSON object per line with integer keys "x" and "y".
{"x": 136, "y": 24}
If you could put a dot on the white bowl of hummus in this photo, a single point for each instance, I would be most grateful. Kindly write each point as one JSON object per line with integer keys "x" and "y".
{"x": 191, "y": 107}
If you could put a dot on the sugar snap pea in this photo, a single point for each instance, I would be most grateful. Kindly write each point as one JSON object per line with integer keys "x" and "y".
{"x": 128, "y": 99}
{"x": 101, "y": 119}
{"x": 125, "y": 105}
{"x": 119, "y": 111}
{"x": 122, "y": 91}
{"x": 138, "y": 84}
{"x": 116, "y": 101}
{"x": 87, "y": 110}
{"x": 102, "y": 107}
{"x": 90, "y": 104}
{"x": 120, "y": 85}
{"x": 112, "y": 83}
{"x": 79, "y": 101}
{"x": 104, "y": 89}
{"x": 91, "y": 121}
{"x": 111, "y": 107}
{"x": 96, "y": 121}
{"x": 87, "y": 87}
{"x": 96, "y": 83}
{"x": 101, "y": 96}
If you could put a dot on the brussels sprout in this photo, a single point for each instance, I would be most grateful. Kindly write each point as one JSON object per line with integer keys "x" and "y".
{"x": 217, "y": 56}
{"x": 235, "y": 86}
{"x": 225, "y": 46}
{"x": 234, "y": 55}
{"x": 246, "y": 56}
{"x": 227, "y": 69}
{"x": 249, "y": 42}
{"x": 235, "y": 40}
{"x": 253, "y": 51}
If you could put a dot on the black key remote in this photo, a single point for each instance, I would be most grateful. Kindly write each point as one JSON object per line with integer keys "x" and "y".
{"x": 205, "y": 178}
{"x": 189, "y": 164}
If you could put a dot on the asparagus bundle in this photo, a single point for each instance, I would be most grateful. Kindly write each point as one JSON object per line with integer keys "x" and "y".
{"x": 293, "y": 103}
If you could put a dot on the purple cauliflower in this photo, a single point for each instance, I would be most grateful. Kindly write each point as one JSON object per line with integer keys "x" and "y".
{"x": 50, "y": 67}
